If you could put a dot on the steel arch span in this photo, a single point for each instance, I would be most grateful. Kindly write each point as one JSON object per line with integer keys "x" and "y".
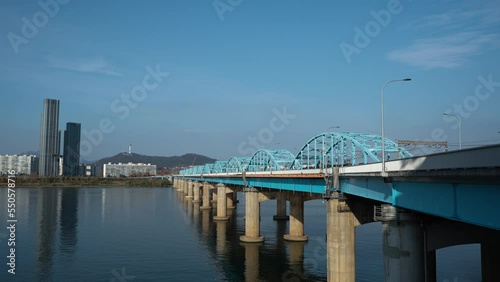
{"x": 270, "y": 160}
{"x": 208, "y": 168}
{"x": 345, "y": 149}
{"x": 237, "y": 164}
{"x": 219, "y": 167}
{"x": 199, "y": 169}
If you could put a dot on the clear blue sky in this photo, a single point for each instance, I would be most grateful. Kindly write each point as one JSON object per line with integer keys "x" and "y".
{"x": 229, "y": 67}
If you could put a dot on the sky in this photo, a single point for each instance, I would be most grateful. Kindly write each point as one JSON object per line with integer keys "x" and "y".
{"x": 224, "y": 78}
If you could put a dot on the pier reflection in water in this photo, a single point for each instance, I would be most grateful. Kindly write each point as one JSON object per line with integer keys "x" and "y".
{"x": 273, "y": 260}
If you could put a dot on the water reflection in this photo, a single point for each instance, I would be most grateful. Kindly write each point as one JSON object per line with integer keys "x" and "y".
{"x": 196, "y": 211}
{"x": 68, "y": 221}
{"x": 205, "y": 222}
{"x": 251, "y": 261}
{"x": 221, "y": 227}
{"x": 103, "y": 205}
{"x": 47, "y": 226}
{"x": 273, "y": 260}
{"x": 296, "y": 250}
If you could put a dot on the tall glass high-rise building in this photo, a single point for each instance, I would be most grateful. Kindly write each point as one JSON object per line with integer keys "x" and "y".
{"x": 50, "y": 139}
{"x": 71, "y": 149}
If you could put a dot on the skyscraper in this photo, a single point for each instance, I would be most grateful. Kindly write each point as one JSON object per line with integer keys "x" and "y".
{"x": 50, "y": 139}
{"x": 71, "y": 149}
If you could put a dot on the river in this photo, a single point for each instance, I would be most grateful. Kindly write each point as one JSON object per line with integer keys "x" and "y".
{"x": 154, "y": 234}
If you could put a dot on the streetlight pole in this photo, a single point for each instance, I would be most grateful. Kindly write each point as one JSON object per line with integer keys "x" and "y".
{"x": 382, "y": 106}
{"x": 459, "y": 129}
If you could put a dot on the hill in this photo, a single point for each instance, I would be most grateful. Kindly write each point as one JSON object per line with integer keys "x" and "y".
{"x": 159, "y": 161}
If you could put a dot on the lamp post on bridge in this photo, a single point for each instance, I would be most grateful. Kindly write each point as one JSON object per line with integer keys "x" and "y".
{"x": 459, "y": 129}
{"x": 382, "y": 105}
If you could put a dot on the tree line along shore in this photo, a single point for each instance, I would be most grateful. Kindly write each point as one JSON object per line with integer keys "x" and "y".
{"x": 80, "y": 181}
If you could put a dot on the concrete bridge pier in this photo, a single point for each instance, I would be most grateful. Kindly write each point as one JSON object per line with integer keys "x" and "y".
{"x": 281, "y": 210}
{"x": 296, "y": 219}
{"x": 214, "y": 197}
{"x": 341, "y": 242}
{"x": 229, "y": 200}
{"x": 403, "y": 245}
{"x": 235, "y": 197}
{"x": 252, "y": 217}
{"x": 206, "y": 196}
{"x": 185, "y": 187}
{"x": 221, "y": 203}
{"x": 190, "y": 189}
{"x": 196, "y": 192}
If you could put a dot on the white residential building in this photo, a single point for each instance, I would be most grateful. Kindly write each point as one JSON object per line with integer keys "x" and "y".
{"x": 128, "y": 169}
{"x": 24, "y": 164}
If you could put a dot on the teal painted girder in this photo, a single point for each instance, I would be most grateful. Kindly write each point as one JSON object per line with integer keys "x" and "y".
{"x": 472, "y": 203}
{"x": 311, "y": 185}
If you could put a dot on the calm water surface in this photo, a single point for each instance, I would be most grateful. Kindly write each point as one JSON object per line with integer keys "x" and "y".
{"x": 154, "y": 234}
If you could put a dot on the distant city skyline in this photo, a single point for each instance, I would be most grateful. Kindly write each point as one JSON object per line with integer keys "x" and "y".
{"x": 179, "y": 77}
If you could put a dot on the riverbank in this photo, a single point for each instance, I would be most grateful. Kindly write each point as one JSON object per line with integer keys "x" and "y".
{"x": 79, "y": 181}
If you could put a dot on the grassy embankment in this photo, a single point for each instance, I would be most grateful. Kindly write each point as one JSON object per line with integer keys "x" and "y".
{"x": 79, "y": 181}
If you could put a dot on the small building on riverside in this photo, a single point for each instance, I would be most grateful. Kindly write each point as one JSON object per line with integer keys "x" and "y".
{"x": 128, "y": 170}
{"x": 87, "y": 170}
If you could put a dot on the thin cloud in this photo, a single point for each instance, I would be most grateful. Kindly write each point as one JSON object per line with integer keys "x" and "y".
{"x": 94, "y": 65}
{"x": 444, "y": 52}
{"x": 458, "y": 18}
{"x": 462, "y": 35}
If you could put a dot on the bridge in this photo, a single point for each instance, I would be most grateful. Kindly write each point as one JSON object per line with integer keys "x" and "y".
{"x": 424, "y": 202}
